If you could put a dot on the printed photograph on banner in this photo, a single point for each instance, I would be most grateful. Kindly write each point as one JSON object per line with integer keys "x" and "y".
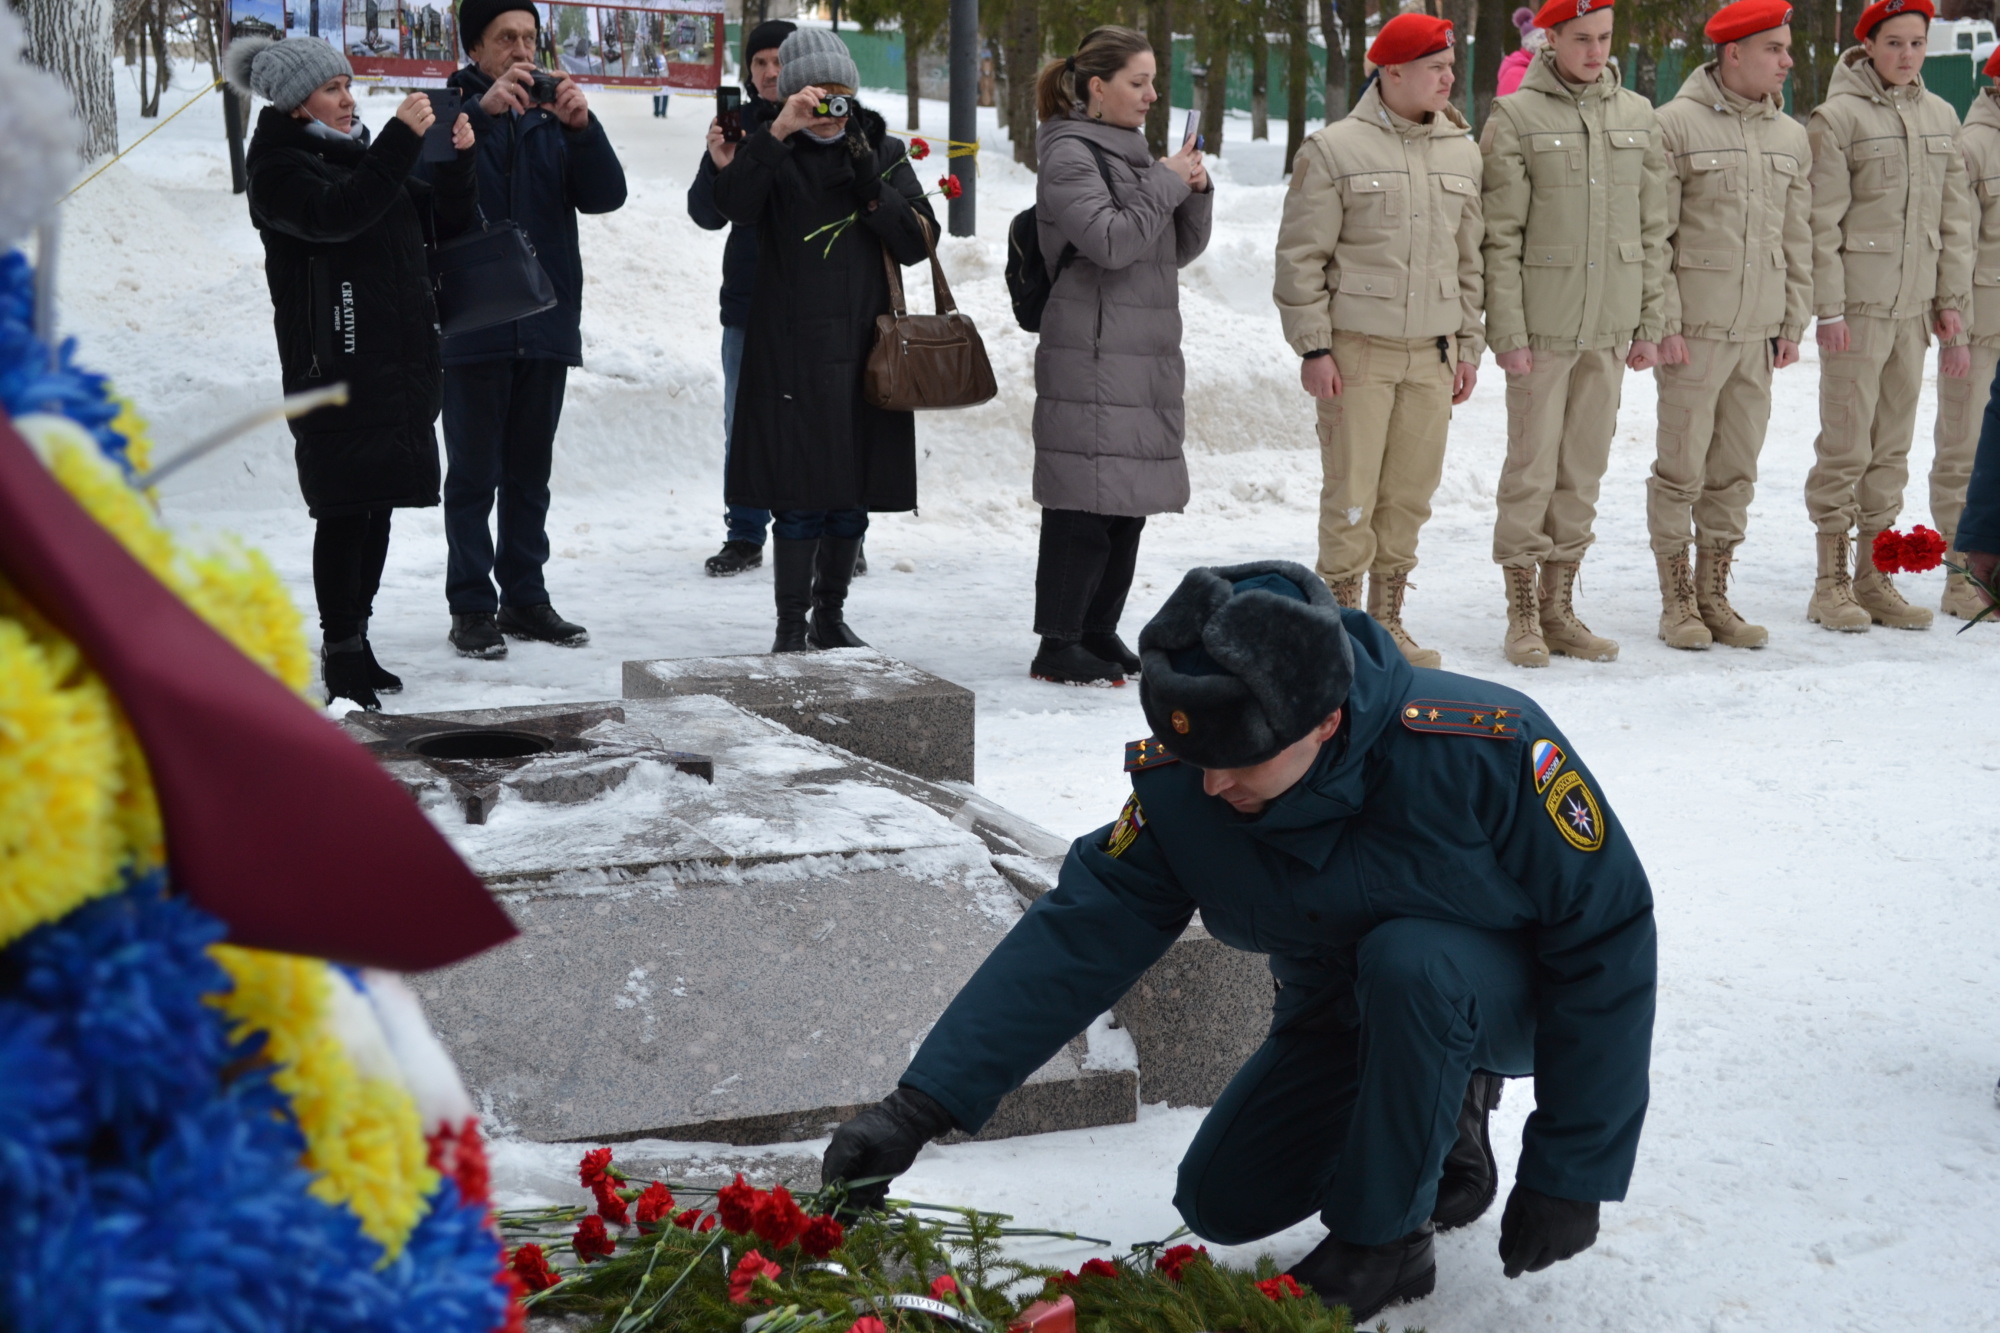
{"x": 652, "y": 53}
{"x": 256, "y": 18}
{"x": 694, "y": 39}
{"x": 427, "y": 32}
{"x": 615, "y": 35}
{"x": 371, "y": 28}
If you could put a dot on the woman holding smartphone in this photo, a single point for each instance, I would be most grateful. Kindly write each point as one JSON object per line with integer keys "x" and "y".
{"x": 343, "y": 227}
{"x": 1108, "y": 371}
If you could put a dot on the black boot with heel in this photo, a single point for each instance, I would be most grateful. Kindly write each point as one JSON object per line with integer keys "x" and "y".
{"x": 792, "y": 589}
{"x": 831, "y": 577}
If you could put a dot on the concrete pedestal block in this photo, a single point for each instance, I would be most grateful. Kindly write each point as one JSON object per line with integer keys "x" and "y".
{"x": 748, "y": 958}
{"x": 1196, "y": 1016}
{"x": 855, "y": 698}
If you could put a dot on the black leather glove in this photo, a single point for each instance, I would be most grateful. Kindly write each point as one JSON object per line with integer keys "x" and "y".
{"x": 882, "y": 1141}
{"x": 867, "y": 187}
{"x": 1537, "y": 1230}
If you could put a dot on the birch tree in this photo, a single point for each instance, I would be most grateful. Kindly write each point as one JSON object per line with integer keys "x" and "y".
{"x": 72, "y": 40}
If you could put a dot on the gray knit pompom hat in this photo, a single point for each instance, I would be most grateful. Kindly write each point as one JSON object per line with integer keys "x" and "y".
{"x": 283, "y": 73}
{"x": 813, "y": 58}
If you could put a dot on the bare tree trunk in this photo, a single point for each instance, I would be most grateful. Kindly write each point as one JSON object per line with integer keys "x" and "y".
{"x": 1260, "y": 80}
{"x": 72, "y": 40}
{"x": 1298, "y": 68}
{"x": 1022, "y": 36}
{"x": 1212, "y": 54}
{"x": 913, "y": 65}
{"x": 163, "y": 69}
{"x": 1354, "y": 30}
{"x": 1489, "y": 49}
{"x": 1334, "y": 99}
{"x": 1160, "y": 32}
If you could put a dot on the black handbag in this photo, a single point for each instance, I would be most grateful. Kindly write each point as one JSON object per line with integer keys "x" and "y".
{"x": 488, "y": 277}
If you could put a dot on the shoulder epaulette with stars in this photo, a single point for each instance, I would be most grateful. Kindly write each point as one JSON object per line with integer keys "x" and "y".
{"x": 1147, "y": 753}
{"x": 1449, "y": 717}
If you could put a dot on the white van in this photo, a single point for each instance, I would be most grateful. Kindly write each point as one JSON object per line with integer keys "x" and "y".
{"x": 1952, "y": 35}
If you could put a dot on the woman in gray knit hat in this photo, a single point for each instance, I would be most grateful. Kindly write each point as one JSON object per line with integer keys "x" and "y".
{"x": 343, "y": 228}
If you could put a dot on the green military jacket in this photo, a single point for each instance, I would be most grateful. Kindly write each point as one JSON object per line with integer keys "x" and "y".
{"x": 1441, "y": 797}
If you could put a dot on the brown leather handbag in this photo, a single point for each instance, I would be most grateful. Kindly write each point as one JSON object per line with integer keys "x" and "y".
{"x": 922, "y": 362}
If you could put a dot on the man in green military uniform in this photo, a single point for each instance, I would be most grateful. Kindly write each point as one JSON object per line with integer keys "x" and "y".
{"x": 1444, "y": 895}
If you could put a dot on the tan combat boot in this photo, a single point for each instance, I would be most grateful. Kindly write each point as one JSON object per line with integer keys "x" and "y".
{"x": 1565, "y": 632}
{"x": 1960, "y": 599}
{"x": 1385, "y": 603}
{"x": 1833, "y": 603}
{"x": 1680, "y": 619}
{"x": 1876, "y": 591}
{"x": 1346, "y": 591}
{"x": 1524, "y": 645}
{"x": 1711, "y": 595}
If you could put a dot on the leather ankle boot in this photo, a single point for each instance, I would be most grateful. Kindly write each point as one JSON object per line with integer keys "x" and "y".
{"x": 832, "y": 573}
{"x": 1524, "y": 645}
{"x": 1680, "y": 618}
{"x": 1385, "y": 604}
{"x": 1876, "y": 592}
{"x": 1833, "y": 603}
{"x": 1711, "y": 595}
{"x": 1471, "y": 1177}
{"x": 1366, "y": 1278}
{"x": 1561, "y": 626}
{"x": 792, "y": 590}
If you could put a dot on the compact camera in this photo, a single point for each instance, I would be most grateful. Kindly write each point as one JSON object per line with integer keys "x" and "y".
{"x": 543, "y": 87}
{"x": 833, "y": 108}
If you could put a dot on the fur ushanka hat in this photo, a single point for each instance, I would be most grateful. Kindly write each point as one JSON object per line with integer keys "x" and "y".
{"x": 1242, "y": 661}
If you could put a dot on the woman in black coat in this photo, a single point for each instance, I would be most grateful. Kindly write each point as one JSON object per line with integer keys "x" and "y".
{"x": 804, "y": 443}
{"x": 343, "y": 226}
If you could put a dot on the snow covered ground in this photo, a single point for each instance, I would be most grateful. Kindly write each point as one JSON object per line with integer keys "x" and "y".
{"x": 1823, "y": 1150}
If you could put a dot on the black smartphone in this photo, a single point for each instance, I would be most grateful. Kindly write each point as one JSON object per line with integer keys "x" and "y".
{"x": 1189, "y": 134}
{"x": 446, "y": 105}
{"x": 729, "y": 113}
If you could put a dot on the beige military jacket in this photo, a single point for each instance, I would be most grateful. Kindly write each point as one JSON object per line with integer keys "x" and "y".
{"x": 1576, "y": 215}
{"x": 1381, "y": 232}
{"x": 1979, "y": 145}
{"x": 1892, "y": 223}
{"x": 1739, "y": 215}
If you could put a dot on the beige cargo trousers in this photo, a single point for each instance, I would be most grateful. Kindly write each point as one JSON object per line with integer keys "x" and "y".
{"x": 1961, "y": 412}
{"x": 1713, "y": 410}
{"x": 1561, "y": 416}
{"x": 1867, "y": 418}
{"x": 1381, "y": 449}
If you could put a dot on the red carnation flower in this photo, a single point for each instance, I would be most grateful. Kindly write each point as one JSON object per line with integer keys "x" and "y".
{"x": 1925, "y": 550}
{"x": 531, "y": 1266}
{"x": 950, "y": 187}
{"x": 1098, "y": 1268}
{"x": 867, "y": 1323}
{"x": 1283, "y": 1287}
{"x": 776, "y": 1219}
{"x": 823, "y": 1235}
{"x": 945, "y": 1287}
{"x": 748, "y": 1269}
{"x": 595, "y": 1168}
{"x": 687, "y": 1221}
{"x": 919, "y": 150}
{"x": 1175, "y": 1260}
{"x": 655, "y": 1202}
{"x": 1887, "y": 552}
{"x": 611, "y": 1204}
{"x": 734, "y": 1202}
{"x": 591, "y": 1241}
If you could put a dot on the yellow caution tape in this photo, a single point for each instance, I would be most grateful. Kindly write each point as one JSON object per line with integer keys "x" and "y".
{"x": 142, "y": 138}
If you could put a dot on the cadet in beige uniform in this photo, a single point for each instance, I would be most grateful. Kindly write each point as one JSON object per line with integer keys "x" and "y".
{"x": 1738, "y": 298}
{"x": 1892, "y": 262}
{"x": 1379, "y": 289}
{"x": 1962, "y": 402}
{"x": 1576, "y": 224}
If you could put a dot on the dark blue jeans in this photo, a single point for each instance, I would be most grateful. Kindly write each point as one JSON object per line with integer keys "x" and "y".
{"x": 1353, "y": 1121}
{"x": 744, "y": 524}
{"x": 799, "y": 525}
{"x": 499, "y": 436}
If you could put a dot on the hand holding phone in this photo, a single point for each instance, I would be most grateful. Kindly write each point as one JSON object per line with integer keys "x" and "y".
{"x": 1190, "y": 133}
{"x": 446, "y": 104}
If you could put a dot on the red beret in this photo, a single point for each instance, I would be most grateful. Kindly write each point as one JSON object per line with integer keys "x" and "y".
{"x": 1883, "y": 10}
{"x": 1992, "y": 70}
{"x": 1745, "y": 18}
{"x": 1409, "y": 37}
{"x": 1562, "y": 11}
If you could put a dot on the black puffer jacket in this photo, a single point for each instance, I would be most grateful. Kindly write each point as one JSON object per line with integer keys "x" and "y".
{"x": 739, "y": 252}
{"x": 804, "y": 437}
{"x": 344, "y": 256}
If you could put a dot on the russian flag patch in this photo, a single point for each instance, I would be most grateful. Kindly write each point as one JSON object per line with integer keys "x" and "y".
{"x": 1548, "y": 760}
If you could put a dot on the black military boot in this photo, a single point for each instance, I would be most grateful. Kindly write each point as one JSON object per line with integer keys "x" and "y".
{"x": 792, "y": 589}
{"x": 478, "y": 635}
{"x": 832, "y": 573}
{"x": 541, "y": 622}
{"x": 1366, "y": 1278}
{"x": 1067, "y": 663}
{"x": 1113, "y": 650}
{"x": 1471, "y": 1178}
{"x": 734, "y": 558}
{"x": 344, "y": 670}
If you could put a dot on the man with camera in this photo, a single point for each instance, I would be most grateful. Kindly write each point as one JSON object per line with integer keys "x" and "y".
{"x": 743, "y": 541}
{"x": 543, "y": 158}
